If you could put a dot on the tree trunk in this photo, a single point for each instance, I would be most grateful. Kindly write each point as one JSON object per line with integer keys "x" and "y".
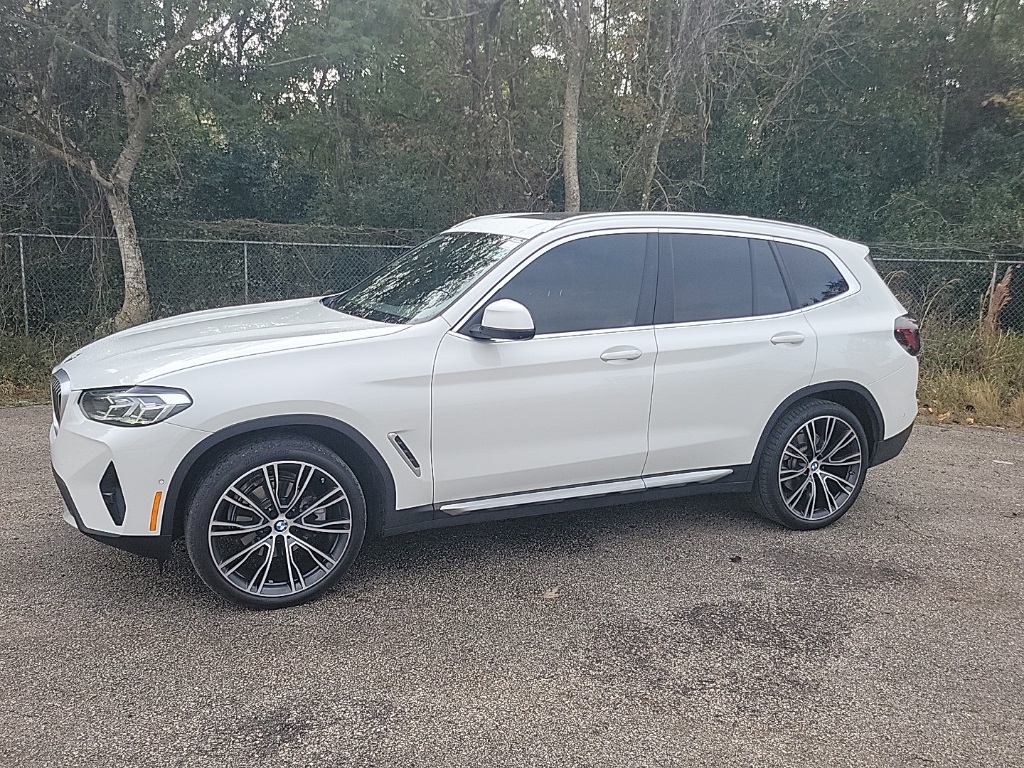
{"x": 571, "y": 129}
{"x": 99, "y": 30}
{"x": 651, "y": 166}
{"x": 572, "y": 33}
{"x": 135, "y": 309}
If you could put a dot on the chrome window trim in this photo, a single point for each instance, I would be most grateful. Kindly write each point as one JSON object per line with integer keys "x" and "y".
{"x": 568, "y": 334}
{"x": 851, "y": 280}
{"x": 744, "y": 319}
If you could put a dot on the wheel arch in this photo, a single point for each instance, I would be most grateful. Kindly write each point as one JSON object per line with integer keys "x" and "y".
{"x": 352, "y": 446}
{"x": 848, "y": 394}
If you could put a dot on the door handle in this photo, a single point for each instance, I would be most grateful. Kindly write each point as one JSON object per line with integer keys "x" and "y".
{"x": 790, "y": 337}
{"x": 620, "y": 354}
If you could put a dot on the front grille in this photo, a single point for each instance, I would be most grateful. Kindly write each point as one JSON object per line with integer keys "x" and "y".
{"x": 55, "y": 397}
{"x": 60, "y": 390}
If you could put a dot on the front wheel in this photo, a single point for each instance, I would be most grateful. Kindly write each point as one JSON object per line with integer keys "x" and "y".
{"x": 812, "y": 468}
{"x": 275, "y": 523}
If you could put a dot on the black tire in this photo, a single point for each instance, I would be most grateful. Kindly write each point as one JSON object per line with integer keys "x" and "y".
{"x": 807, "y": 487}
{"x": 301, "y": 536}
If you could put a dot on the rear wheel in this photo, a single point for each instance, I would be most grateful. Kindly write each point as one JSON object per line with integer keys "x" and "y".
{"x": 275, "y": 523}
{"x": 813, "y": 466}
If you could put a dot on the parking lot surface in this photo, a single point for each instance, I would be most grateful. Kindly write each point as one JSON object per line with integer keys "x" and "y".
{"x": 678, "y": 633}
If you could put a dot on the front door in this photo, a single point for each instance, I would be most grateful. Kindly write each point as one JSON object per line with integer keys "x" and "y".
{"x": 567, "y": 407}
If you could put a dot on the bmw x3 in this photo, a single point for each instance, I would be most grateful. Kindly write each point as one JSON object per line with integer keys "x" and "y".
{"x": 513, "y": 365}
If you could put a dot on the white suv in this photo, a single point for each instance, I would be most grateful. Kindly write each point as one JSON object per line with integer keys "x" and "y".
{"x": 513, "y": 365}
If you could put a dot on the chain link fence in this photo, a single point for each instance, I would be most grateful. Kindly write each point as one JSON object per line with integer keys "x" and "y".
{"x": 69, "y": 284}
{"x": 61, "y": 284}
{"x": 959, "y": 285}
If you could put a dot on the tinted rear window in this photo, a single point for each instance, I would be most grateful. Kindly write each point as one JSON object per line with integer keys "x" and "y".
{"x": 770, "y": 295}
{"x": 812, "y": 275}
{"x": 717, "y": 277}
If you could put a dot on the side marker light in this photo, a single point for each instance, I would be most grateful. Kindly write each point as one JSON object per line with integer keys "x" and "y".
{"x": 156, "y": 510}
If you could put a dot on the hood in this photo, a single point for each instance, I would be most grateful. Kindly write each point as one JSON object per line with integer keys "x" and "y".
{"x": 148, "y": 351}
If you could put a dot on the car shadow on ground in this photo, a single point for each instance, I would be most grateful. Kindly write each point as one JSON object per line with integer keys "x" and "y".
{"x": 488, "y": 549}
{"x": 559, "y": 534}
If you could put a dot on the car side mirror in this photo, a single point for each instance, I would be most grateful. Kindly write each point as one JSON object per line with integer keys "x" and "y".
{"x": 504, "y": 320}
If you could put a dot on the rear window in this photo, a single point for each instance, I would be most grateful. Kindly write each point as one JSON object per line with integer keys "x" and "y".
{"x": 812, "y": 275}
{"x": 718, "y": 277}
{"x": 770, "y": 296}
{"x": 712, "y": 277}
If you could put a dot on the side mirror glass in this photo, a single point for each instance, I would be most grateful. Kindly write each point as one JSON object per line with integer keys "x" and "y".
{"x": 504, "y": 320}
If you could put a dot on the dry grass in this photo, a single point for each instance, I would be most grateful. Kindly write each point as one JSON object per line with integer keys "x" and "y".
{"x": 972, "y": 376}
{"x": 25, "y": 364}
{"x": 1015, "y": 411}
{"x": 961, "y": 398}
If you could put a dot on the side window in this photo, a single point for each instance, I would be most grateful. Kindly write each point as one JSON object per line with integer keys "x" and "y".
{"x": 711, "y": 276}
{"x": 812, "y": 275}
{"x": 770, "y": 294}
{"x": 583, "y": 285}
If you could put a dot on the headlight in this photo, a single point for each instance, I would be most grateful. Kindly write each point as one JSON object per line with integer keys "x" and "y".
{"x": 133, "y": 406}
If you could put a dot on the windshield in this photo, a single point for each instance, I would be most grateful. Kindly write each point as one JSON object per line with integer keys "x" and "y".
{"x": 422, "y": 282}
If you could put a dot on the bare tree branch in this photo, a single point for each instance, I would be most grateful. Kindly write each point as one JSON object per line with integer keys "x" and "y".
{"x": 106, "y": 61}
{"x": 177, "y": 43}
{"x": 55, "y": 152}
{"x": 456, "y": 17}
{"x": 296, "y": 60}
{"x": 116, "y": 66}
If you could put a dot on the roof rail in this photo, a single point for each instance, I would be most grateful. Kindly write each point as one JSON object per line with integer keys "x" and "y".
{"x": 566, "y": 220}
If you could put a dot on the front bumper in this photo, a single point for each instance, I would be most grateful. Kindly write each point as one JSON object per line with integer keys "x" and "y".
{"x": 157, "y": 547}
{"x": 82, "y": 453}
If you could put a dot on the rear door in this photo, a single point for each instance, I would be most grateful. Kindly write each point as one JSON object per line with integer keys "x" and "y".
{"x": 731, "y": 348}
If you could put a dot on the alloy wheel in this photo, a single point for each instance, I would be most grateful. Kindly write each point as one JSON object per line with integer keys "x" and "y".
{"x": 279, "y": 529}
{"x": 820, "y": 467}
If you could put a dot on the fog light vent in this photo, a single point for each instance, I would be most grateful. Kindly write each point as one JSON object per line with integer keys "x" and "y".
{"x": 113, "y": 496}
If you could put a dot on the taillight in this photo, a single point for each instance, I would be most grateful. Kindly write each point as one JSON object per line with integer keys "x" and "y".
{"x": 907, "y": 334}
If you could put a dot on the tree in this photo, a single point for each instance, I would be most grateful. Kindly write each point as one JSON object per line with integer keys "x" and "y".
{"x": 413, "y": 114}
{"x": 691, "y": 38}
{"x": 114, "y": 42}
{"x": 572, "y": 33}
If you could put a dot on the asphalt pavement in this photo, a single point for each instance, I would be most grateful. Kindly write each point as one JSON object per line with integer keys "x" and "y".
{"x": 682, "y": 633}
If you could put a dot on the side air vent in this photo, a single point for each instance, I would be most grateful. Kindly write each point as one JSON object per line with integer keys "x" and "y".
{"x": 113, "y": 496}
{"x": 405, "y": 453}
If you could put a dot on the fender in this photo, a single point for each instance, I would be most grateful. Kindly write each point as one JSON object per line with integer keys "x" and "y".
{"x": 877, "y": 422}
{"x": 175, "y": 487}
